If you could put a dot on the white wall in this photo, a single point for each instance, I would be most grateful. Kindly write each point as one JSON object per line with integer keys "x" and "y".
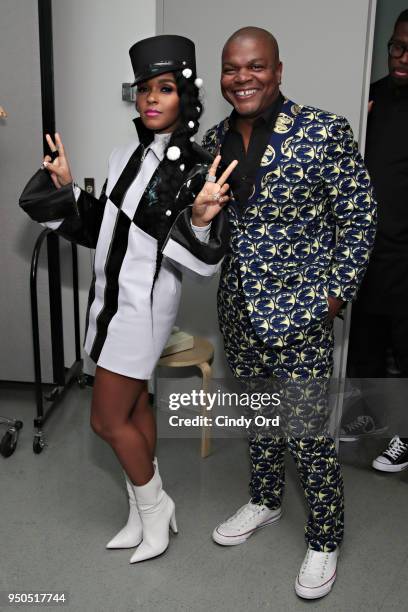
{"x": 20, "y": 156}
{"x": 91, "y": 60}
{"x": 387, "y": 13}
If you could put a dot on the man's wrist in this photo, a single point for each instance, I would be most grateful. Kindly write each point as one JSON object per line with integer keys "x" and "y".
{"x": 336, "y": 300}
{"x": 335, "y": 306}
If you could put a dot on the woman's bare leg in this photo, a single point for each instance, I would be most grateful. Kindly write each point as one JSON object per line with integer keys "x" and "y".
{"x": 143, "y": 418}
{"x": 114, "y": 398}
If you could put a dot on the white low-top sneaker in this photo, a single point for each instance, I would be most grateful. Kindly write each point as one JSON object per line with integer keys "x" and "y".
{"x": 317, "y": 574}
{"x": 243, "y": 523}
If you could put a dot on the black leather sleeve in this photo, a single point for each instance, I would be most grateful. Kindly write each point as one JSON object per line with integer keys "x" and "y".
{"x": 83, "y": 228}
{"x": 209, "y": 253}
{"x": 82, "y": 219}
{"x": 43, "y": 202}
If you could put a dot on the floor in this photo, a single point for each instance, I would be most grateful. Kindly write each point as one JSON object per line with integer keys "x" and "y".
{"x": 59, "y": 509}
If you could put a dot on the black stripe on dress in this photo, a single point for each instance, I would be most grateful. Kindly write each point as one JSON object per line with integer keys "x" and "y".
{"x": 91, "y": 298}
{"x": 117, "y": 251}
{"x": 114, "y": 261}
{"x": 127, "y": 177}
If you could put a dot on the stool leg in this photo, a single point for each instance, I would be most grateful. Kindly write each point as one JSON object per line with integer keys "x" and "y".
{"x": 205, "y": 431}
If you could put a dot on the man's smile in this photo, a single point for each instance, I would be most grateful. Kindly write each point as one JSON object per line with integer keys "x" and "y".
{"x": 244, "y": 93}
{"x": 400, "y": 72}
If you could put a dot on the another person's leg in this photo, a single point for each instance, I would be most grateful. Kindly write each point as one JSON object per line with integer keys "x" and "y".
{"x": 394, "y": 458}
{"x": 368, "y": 342}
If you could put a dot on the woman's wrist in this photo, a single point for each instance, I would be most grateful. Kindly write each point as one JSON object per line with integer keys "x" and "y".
{"x": 197, "y": 220}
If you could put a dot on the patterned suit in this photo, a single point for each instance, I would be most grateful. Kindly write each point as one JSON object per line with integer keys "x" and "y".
{"x": 283, "y": 261}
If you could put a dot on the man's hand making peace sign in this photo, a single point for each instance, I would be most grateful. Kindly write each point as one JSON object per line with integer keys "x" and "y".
{"x": 213, "y": 196}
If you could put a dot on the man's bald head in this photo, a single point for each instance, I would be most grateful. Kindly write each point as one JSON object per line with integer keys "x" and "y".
{"x": 254, "y": 33}
{"x": 251, "y": 71}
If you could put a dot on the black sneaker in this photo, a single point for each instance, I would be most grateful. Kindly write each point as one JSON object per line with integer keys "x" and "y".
{"x": 361, "y": 427}
{"x": 394, "y": 458}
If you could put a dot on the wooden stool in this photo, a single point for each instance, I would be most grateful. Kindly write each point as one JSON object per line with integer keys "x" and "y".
{"x": 200, "y": 356}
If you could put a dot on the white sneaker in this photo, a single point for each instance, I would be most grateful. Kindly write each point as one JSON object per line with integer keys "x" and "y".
{"x": 394, "y": 458}
{"x": 317, "y": 574}
{"x": 243, "y": 523}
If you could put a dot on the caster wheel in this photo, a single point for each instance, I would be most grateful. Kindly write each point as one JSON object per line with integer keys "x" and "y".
{"x": 38, "y": 445}
{"x": 8, "y": 444}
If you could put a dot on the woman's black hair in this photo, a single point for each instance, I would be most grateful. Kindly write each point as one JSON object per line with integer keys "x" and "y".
{"x": 191, "y": 110}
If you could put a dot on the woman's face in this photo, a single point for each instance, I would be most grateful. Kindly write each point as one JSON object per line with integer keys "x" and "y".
{"x": 157, "y": 102}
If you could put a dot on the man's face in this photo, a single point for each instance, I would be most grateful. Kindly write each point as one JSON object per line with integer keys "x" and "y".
{"x": 250, "y": 76}
{"x": 398, "y": 67}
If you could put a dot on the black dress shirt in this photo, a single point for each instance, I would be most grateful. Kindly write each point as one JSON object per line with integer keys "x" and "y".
{"x": 241, "y": 180}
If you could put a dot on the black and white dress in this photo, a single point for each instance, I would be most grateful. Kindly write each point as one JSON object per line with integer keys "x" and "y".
{"x": 126, "y": 327}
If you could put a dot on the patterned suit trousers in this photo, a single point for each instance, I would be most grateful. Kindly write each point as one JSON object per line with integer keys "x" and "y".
{"x": 302, "y": 371}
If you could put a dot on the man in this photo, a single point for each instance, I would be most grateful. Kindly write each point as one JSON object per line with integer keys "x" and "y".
{"x": 379, "y": 316}
{"x": 299, "y": 180}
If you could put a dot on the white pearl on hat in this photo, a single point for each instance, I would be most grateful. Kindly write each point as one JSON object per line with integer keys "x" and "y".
{"x": 191, "y": 124}
{"x": 182, "y": 167}
{"x": 192, "y": 139}
{"x": 168, "y": 212}
{"x": 198, "y": 108}
{"x": 187, "y": 72}
{"x": 173, "y": 153}
{"x": 198, "y": 82}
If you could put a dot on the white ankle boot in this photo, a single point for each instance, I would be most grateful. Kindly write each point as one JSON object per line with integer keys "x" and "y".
{"x": 131, "y": 534}
{"x": 157, "y": 512}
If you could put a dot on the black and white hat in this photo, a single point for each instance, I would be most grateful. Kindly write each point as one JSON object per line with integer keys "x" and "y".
{"x": 159, "y": 54}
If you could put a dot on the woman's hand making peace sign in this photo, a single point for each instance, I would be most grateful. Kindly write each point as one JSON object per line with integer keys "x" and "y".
{"x": 59, "y": 167}
{"x": 213, "y": 196}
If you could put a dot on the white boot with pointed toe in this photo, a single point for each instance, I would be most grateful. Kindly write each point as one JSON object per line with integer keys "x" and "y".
{"x": 131, "y": 534}
{"x": 157, "y": 513}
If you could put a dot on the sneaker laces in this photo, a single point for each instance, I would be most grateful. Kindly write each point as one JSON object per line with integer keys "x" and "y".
{"x": 396, "y": 448}
{"x": 360, "y": 421}
{"x": 319, "y": 569}
{"x": 245, "y": 513}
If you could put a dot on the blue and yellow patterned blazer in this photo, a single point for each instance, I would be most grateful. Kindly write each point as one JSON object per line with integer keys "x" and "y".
{"x": 308, "y": 227}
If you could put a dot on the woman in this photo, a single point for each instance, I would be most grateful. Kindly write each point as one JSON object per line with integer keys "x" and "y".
{"x": 151, "y": 221}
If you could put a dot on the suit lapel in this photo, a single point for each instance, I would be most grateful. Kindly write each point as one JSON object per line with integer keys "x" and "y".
{"x": 277, "y": 147}
{"x": 285, "y": 126}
